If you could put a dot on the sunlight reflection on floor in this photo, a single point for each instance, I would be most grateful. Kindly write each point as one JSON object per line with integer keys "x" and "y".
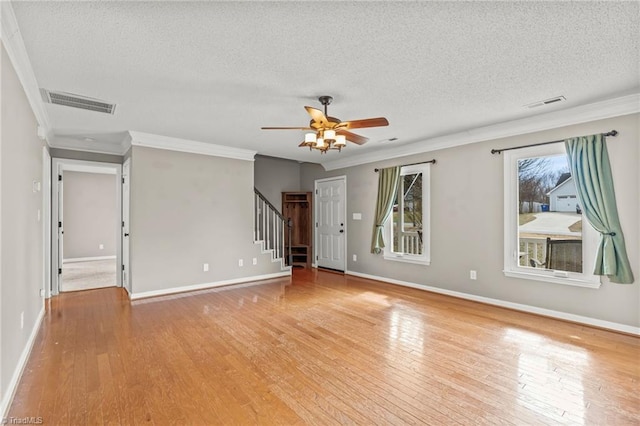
{"x": 542, "y": 386}
{"x": 406, "y": 329}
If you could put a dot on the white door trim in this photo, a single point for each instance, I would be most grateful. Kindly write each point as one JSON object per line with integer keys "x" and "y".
{"x": 63, "y": 164}
{"x": 46, "y": 222}
{"x": 315, "y": 216}
{"x": 126, "y": 227}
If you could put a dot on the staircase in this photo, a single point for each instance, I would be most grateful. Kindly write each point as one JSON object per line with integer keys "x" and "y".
{"x": 269, "y": 228}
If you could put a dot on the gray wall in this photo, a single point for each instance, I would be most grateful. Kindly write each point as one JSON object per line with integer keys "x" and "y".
{"x": 90, "y": 213}
{"x": 273, "y": 176}
{"x": 21, "y": 252}
{"x": 467, "y": 224}
{"x": 86, "y": 156}
{"x": 187, "y": 210}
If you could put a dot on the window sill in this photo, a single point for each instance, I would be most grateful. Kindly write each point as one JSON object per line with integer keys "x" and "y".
{"x": 576, "y": 282}
{"x": 405, "y": 259}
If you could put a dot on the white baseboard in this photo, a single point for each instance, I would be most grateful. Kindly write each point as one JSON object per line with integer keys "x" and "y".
{"x": 87, "y": 259}
{"x": 511, "y": 305}
{"x": 173, "y": 290}
{"x": 22, "y": 362}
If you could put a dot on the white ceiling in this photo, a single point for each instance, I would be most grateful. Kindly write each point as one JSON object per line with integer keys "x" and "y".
{"x": 216, "y": 72}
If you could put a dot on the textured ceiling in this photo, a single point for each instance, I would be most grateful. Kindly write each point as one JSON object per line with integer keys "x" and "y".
{"x": 217, "y": 71}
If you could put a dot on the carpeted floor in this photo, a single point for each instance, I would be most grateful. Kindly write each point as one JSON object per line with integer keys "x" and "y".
{"x": 88, "y": 275}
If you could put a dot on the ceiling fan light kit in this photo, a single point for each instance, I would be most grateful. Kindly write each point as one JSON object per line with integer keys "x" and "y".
{"x": 324, "y": 140}
{"x": 329, "y": 132}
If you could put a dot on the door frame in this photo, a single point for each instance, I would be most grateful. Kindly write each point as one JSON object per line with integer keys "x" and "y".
{"x": 46, "y": 222}
{"x": 59, "y": 165}
{"x": 126, "y": 227}
{"x": 342, "y": 178}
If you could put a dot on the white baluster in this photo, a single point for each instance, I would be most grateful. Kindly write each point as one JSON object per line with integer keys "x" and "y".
{"x": 263, "y": 221}
{"x": 277, "y": 237}
{"x": 256, "y": 212}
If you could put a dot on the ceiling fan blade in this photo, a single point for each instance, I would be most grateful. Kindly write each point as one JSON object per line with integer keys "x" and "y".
{"x": 317, "y": 116}
{"x": 367, "y": 122}
{"x": 287, "y": 128}
{"x": 352, "y": 137}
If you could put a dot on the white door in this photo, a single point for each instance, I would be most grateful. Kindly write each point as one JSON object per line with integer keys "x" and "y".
{"x": 125, "y": 226}
{"x": 331, "y": 227}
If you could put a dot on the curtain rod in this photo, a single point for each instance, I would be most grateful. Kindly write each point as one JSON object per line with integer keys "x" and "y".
{"x": 498, "y": 151}
{"x": 412, "y": 164}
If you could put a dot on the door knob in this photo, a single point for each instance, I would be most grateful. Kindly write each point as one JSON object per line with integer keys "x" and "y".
{"x": 341, "y": 231}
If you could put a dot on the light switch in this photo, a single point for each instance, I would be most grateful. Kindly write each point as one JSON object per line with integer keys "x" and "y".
{"x": 357, "y": 216}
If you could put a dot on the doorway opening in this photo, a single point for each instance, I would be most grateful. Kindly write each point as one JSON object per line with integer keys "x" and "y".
{"x": 86, "y": 223}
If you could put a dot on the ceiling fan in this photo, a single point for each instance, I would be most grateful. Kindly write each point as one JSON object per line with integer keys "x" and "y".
{"x": 330, "y": 132}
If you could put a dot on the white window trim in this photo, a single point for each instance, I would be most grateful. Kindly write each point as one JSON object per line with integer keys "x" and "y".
{"x": 425, "y": 258}
{"x": 590, "y": 237}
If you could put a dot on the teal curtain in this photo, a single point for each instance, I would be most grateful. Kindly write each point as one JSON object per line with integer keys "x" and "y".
{"x": 591, "y": 171}
{"x": 388, "y": 180}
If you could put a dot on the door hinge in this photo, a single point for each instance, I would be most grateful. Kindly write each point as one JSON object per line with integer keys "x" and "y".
{"x": 316, "y": 224}
{"x": 316, "y": 258}
{"x": 59, "y": 271}
{"x": 316, "y": 192}
{"x": 122, "y": 180}
{"x": 59, "y": 177}
{"x": 59, "y": 224}
{"x": 123, "y": 223}
{"x": 123, "y": 266}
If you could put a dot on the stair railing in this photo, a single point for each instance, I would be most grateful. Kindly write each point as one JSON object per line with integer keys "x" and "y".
{"x": 269, "y": 226}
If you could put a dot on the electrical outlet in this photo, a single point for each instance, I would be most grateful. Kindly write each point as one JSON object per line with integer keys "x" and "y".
{"x": 355, "y": 257}
{"x": 101, "y": 246}
{"x": 473, "y": 275}
{"x": 205, "y": 267}
{"x": 255, "y": 260}
{"x": 240, "y": 262}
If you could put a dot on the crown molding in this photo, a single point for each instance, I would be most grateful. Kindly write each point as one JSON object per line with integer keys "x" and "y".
{"x": 126, "y": 143}
{"x": 624, "y": 105}
{"x": 194, "y": 147}
{"x": 14, "y": 45}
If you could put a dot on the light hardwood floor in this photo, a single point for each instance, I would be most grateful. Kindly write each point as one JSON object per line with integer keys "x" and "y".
{"x": 321, "y": 348}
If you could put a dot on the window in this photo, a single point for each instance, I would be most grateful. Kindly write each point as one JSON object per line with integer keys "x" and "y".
{"x": 546, "y": 236}
{"x": 407, "y": 229}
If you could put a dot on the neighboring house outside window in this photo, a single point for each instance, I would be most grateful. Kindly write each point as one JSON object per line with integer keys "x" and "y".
{"x": 563, "y": 197}
{"x": 546, "y": 237}
{"x": 407, "y": 233}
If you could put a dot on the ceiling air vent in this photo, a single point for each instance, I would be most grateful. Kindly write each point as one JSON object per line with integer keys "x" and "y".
{"x": 546, "y": 102}
{"x": 77, "y": 101}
